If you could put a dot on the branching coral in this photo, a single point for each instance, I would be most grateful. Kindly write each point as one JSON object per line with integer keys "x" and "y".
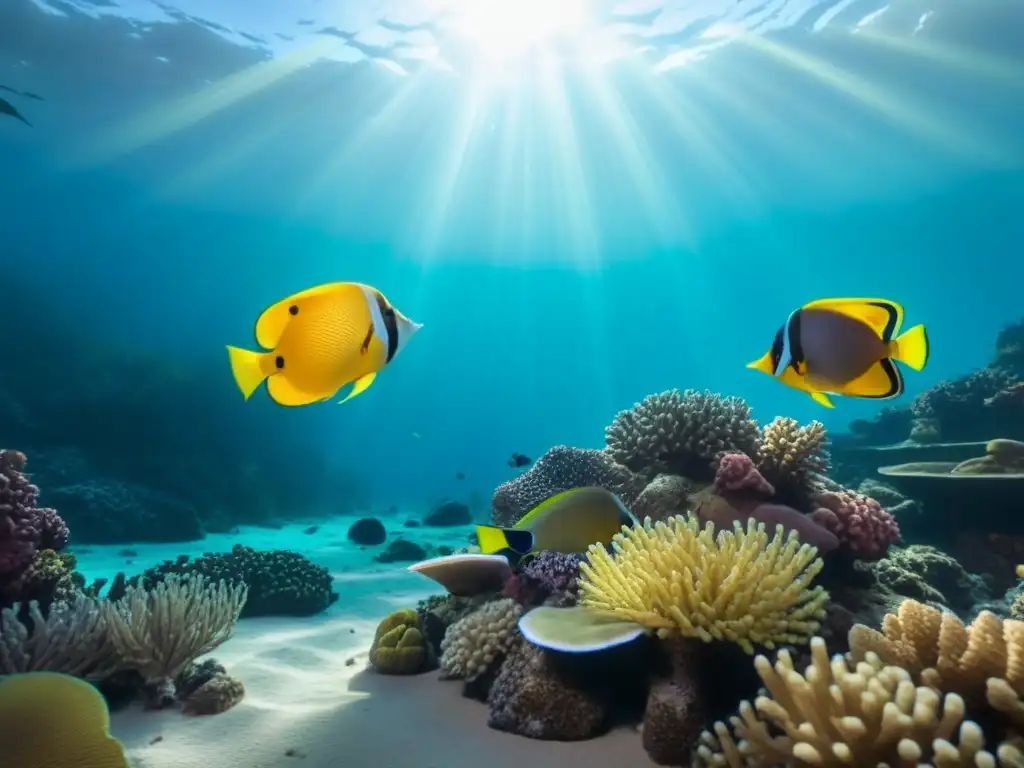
{"x": 859, "y": 521}
{"x": 71, "y": 638}
{"x": 939, "y": 650}
{"x": 680, "y": 433}
{"x": 472, "y": 644}
{"x": 561, "y": 469}
{"x": 790, "y": 455}
{"x": 835, "y": 715}
{"x": 158, "y": 632}
{"x": 684, "y": 580}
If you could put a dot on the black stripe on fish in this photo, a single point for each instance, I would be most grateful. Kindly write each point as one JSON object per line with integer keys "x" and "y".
{"x": 390, "y": 324}
{"x": 895, "y": 381}
{"x": 519, "y": 540}
{"x": 796, "y": 347}
{"x": 890, "y": 325}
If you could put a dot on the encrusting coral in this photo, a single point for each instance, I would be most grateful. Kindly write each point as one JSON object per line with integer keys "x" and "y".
{"x": 835, "y": 714}
{"x": 399, "y": 647}
{"x": 681, "y": 433}
{"x": 681, "y": 579}
{"x": 474, "y": 643}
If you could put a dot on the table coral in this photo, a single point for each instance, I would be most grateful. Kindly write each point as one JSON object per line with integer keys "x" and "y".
{"x": 859, "y": 521}
{"x": 681, "y": 579}
{"x": 561, "y": 469}
{"x": 681, "y": 433}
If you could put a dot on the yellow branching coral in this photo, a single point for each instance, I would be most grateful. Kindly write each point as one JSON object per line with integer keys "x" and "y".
{"x": 983, "y": 662}
{"x": 835, "y": 715}
{"x": 680, "y": 579}
{"x": 789, "y": 452}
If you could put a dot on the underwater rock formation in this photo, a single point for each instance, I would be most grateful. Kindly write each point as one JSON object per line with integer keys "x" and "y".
{"x": 367, "y": 531}
{"x": 448, "y": 513}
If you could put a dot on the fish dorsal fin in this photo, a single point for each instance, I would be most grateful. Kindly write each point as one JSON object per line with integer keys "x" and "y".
{"x": 884, "y": 317}
{"x": 275, "y": 318}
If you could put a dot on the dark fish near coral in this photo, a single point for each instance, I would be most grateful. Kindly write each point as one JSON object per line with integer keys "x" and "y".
{"x": 567, "y": 522}
{"x": 845, "y": 347}
{"x": 518, "y": 460}
{"x": 6, "y": 108}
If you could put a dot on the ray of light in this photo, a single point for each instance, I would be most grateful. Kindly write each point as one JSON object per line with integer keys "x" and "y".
{"x": 183, "y": 113}
{"x": 444, "y": 183}
{"x": 653, "y": 189}
{"x": 395, "y": 112}
{"x": 978, "y": 63}
{"x": 893, "y": 108}
{"x": 572, "y": 192}
{"x": 692, "y": 125}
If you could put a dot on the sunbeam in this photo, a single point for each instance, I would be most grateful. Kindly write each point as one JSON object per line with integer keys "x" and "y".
{"x": 186, "y": 112}
{"x": 892, "y": 107}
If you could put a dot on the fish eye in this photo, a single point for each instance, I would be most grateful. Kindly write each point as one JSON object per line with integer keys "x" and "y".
{"x": 293, "y": 309}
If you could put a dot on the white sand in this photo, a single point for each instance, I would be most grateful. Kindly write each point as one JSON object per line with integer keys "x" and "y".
{"x": 310, "y": 700}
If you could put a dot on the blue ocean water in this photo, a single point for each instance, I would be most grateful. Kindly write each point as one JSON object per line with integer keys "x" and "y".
{"x": 631, "y": 209}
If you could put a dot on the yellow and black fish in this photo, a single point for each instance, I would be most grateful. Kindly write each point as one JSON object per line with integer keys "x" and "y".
{"x": 318, "y": 341}
{"x": 567, "y": 522}
{"x": 845, "y": 347}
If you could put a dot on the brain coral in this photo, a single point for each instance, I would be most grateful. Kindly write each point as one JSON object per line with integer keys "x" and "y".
{"x": 681, "y": 433}
{"x": 681, "y": 579}
{"x": 472, "y": 644}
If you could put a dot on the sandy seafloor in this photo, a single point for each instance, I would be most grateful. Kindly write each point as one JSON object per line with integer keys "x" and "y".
{"x": 310, "y": 700}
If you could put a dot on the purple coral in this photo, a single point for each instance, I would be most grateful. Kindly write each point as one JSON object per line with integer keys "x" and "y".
{"x": 859, "y": 521}
{"x": 558, "y": 470}
{"x": 24, "y": 527}
{"x": 555, "y": 571}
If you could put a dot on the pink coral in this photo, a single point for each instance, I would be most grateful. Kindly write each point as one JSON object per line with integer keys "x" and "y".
{"x": 24, "y": 528}
{"x": 859, "y": 521}
{"x": 737, "y": 474}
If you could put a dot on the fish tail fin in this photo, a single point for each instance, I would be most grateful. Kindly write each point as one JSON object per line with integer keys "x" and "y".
{"x": 247, "y": 368}
{"x": 491, "y": 539}
{"x": 911, "y": 348}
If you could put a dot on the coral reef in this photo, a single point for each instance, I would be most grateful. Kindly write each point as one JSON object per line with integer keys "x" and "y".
{"x": 279, "y": 582}
{"x": 681, "y": 433}
{"x": 653, "y": 580}
{"x": 29, "y": 535}
{"x": 664, "y": 497}
{"x": 561, "y": 469}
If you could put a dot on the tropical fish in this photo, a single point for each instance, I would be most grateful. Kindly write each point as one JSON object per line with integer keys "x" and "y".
{"x": 319, "y": 340}
{"x": 6, "y": 108}
{"x": 845, "y": 347}
{"x": 517, "y": 460}
{"x": 567, "y": 522}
